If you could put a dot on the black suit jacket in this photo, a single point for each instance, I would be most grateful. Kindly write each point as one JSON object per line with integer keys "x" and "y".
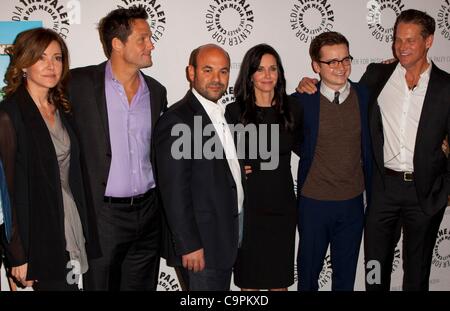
{"x": 431, "y": 167}
{"x": 199, "y": 195}
{"x": 33, "y": 177}
{"x": 88, "y": 98}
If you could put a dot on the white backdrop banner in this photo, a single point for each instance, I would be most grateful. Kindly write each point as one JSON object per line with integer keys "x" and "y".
{"x": 179, "y": 26}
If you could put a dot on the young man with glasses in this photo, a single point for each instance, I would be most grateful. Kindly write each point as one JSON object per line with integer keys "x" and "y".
{"x": 334, "y": 169}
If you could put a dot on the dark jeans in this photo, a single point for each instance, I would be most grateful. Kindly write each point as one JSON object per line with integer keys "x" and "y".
{"x": 338, "y": 224}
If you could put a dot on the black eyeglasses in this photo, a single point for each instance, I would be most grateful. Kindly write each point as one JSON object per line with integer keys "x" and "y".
{"x": 334, "y": 63}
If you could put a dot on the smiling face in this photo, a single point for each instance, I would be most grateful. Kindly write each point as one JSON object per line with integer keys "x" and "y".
{"x": 266, "y": 76}
{"x": 211, "y": 74}
{"x": 334, "y": 78}
{"x": 137, "y": 50}
{"x": 46, "y": 72}
{"x": 410, "y": 46}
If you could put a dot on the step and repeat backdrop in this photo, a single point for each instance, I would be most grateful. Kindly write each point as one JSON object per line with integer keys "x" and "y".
{"x": 179, "y": 26}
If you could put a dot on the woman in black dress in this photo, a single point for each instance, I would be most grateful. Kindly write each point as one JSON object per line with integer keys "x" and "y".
{"x": 267, "y": 253}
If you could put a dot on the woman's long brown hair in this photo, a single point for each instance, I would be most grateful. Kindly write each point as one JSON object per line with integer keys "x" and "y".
{"x": 26, "y": 50}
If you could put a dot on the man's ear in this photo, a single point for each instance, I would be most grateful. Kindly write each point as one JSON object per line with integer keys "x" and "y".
{"x": 429, "y": 41}
{"x": 191, "y": 73}
{"x": 316, "y": 67}
{"x": 117, "y": 45}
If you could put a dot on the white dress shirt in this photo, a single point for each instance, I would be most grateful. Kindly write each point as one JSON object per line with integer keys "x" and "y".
{"x": 400, "y": 113}
{"x": 328, "y": 92}
{"x": 216, "y": 112}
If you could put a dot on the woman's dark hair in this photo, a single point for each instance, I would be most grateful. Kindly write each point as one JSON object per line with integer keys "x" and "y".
{"x": 244, "y": 90}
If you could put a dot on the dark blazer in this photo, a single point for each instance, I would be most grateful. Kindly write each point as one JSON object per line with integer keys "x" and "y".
{"x": 431, "y": 167}
{"x": 5, "y": 204}
{"x": 311, "y": 114}
{"x": 199, "y": 195}
{"x": 88, "y": 98}
{"x": 34, "y": 182}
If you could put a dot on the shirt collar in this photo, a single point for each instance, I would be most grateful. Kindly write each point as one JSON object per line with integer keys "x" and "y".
{"x": 108, "y": 71}
{"x": 328, "y": 92}
{"x": 109, "y": 74}
{"x": 424, "y": 75}
{"x": 209, "y": 106}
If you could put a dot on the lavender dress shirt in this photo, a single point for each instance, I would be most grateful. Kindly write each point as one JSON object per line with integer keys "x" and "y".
{"x": 131, "y": 171}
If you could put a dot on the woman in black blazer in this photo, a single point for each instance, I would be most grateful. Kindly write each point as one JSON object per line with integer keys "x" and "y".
{"x": 52, "y": 234}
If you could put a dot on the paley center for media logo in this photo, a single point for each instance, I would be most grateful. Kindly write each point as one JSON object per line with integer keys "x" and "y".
{"x": 381, "y": 18}
{"x": 53, "y": 13}
{"x": 441, "y": 253}
{"x": 229, "y": 22}
{"x": 157, "y": 18}
{"x": 310, "y": 18}
{"x": 442, "y": 20}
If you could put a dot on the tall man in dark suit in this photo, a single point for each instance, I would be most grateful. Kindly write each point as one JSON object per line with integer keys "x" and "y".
{"x": 201, "y": 188}
{"x": 116, "y": 107}
{"x": 409, "y": 118}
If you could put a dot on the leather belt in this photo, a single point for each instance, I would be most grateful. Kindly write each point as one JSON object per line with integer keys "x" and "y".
{"x": 406, "y": 176}
{"x": 137, "y": 199}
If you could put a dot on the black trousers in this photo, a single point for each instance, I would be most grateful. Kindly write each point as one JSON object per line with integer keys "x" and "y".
{"x": 55, "y": 286}
{"x": 130, "y": 240}
{"x": 395, "y": 208}
{"x": 205, "y": 280}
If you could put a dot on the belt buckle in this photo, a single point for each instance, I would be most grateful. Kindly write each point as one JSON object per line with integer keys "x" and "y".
{"x": 132, "y": 199}
{"x": 407, "y": 176}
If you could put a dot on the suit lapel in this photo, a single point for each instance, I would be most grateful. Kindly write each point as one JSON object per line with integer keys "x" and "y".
{"x": 100, "y": 98}
{"x": 428, "y": 109}
{"x": 40, "y": 142}
{"x": 314, "y": 109}
{"x": 200, "y": 111}
{"x": 376, "y": 124}
{"x": 235, "y": 135}
{"x": 155, "y": 101}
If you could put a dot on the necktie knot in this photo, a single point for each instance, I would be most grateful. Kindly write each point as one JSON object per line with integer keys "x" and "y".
{"x": 336, "y": 98}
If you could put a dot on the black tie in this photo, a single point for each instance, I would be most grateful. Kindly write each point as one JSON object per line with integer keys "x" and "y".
{"x": 336, "y": 98}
